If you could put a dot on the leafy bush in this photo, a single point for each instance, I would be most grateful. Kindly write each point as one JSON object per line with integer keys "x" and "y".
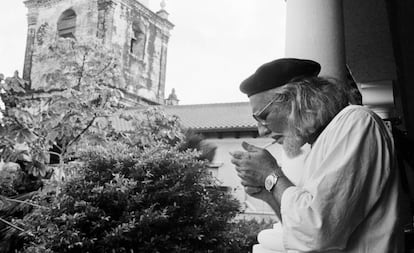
{"x": 243, "y": 234}
{"x": 147, "y": 190}
{"x": 155, "y": 200}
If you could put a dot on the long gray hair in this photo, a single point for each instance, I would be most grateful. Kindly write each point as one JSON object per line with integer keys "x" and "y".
{"x": 311, "y": 103}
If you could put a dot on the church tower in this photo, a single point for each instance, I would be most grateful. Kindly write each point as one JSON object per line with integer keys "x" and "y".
{"x": 138, "y": 36}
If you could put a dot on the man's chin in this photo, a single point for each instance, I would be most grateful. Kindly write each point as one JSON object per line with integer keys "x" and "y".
{"x": 292, "y": 153}
{"x": 292, "y": 147}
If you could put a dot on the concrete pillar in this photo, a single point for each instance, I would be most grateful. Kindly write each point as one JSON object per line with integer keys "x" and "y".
{"x": 315, "y": 30}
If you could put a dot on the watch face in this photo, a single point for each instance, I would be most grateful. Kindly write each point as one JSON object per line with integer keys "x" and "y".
{"x": 269, "y": 182}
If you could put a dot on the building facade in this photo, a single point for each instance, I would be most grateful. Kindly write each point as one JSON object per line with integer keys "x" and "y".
{"x": 138, "y": 37}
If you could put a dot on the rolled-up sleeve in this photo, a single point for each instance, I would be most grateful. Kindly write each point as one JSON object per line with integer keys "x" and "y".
{"x": 345, "y": 179}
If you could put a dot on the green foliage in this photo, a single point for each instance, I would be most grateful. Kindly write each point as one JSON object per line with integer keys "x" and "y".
{"x": 80, "y": 82}
{"x": 15, "y": 128}
{"x": 17, "y": 186}
{"x": 243, "y": 234}
{"x": 157, "y": 199}
{"x": 13, "y": 208}
{"x": 151, "y": 127}
{"x": 147, "y": 190}
{"x": 81, "y": 78}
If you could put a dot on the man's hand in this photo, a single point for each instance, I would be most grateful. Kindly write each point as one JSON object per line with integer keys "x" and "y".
{"x": 253, "y": 166}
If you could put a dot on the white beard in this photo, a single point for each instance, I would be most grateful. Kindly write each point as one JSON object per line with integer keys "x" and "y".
{"x": 292, "y": 146}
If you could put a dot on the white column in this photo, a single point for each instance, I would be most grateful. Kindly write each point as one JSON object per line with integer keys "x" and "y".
{"x": 314, "y": 30}
{"x": 379, "y": 97}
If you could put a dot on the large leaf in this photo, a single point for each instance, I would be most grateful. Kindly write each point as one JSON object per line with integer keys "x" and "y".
{"x": 25, "y": 135}
{"x": 8, "y": 167}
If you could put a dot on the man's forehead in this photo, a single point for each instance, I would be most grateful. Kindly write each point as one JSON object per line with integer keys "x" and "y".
{"x": 259, "y": 100}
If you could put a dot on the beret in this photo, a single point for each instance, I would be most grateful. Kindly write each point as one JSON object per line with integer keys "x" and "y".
{"x": 278, "y": 73}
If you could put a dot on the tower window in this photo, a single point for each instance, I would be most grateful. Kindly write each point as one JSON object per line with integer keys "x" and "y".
{"x": 137, "y": 41}
{"x": 67, "y": 24}
{"x": 133, "y": 45}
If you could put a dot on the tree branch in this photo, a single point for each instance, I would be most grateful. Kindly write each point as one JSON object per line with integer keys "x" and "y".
{"x": 12, "y": 225}
{"x": 81, "y": 70}
{"x": 54, "y": 153}
{"x": 58, "y": 147}
{"x": 83, "y": 131}
{"x": 104, "y": 68}
{"x": 23, "y": 202}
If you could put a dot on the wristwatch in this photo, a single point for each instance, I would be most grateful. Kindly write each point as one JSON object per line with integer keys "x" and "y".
{"x": 271, "y": 181}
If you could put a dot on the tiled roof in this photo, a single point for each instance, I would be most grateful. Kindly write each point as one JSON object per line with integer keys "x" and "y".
{"x": 204, "y": 117}
{"x": 220, "y": 116}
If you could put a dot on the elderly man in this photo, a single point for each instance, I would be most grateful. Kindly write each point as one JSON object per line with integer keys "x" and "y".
{"x": 347, "y": 198}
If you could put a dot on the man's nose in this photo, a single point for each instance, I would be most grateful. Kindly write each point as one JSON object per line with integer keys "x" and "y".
{"x": 263, "y": 130}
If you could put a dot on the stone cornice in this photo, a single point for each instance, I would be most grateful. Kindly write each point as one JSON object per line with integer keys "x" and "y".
{"x": 129, "y": 3}
{"x": 147, "y": 13}
{"x": 40, "y": 3}
{"x": 105, "y": 4}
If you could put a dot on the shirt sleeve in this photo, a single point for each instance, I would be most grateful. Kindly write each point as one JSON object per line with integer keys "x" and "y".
{"x": 354, "y": 159}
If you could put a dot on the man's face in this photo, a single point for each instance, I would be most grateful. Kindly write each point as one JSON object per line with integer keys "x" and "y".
{"x": 272, "y": 122}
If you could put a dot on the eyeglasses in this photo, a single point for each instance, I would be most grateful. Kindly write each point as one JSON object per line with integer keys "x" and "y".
{"x": 261, "y": 115}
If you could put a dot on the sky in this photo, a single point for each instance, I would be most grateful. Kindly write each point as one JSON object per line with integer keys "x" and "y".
{"x": 214, "y": 45}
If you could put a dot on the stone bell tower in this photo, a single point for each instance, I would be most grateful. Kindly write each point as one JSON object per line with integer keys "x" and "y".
{"x": 138, "y": 36}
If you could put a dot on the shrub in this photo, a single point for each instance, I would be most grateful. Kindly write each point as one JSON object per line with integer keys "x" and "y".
{"x": 243, "y": 234}
{"x": 143, "y": 191}
{"x": 158, "y": 199}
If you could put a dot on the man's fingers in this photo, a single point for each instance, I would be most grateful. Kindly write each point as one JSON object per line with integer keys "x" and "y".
{"x": 249, "y": 147}
{"x": 242, "y": 175}
{"x": 240, "y": 168}
{"x": 237, "y": 154}
{"x": 248, "y": 176}
{"x": 243, "y": 183}
{"x": 239, "y": 157}
{"x": 236, "y": 162}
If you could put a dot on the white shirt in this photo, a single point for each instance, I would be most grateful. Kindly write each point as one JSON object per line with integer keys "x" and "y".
{"x": 347, "y": 200}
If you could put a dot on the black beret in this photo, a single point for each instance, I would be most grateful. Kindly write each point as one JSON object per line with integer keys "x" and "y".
{"x": 278, "y": 73}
